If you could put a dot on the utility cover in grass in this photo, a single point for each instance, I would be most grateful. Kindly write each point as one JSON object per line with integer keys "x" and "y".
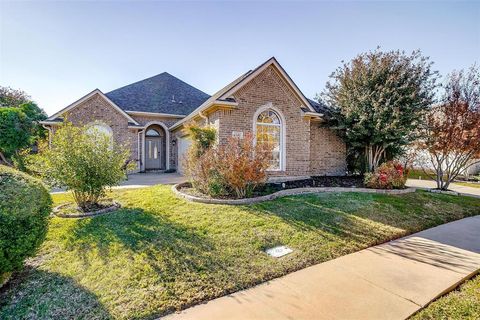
{"x": 278, "y": 251}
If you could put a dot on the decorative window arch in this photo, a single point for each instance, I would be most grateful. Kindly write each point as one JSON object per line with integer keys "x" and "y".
{"x": 100, "y": 127}
{"x": 153, "y": 133}
{"x": 269, "y": 128}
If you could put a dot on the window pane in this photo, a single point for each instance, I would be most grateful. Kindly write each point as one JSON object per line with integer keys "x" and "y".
{"x": 268, "y": 132}
{"x": 152, "y": 133}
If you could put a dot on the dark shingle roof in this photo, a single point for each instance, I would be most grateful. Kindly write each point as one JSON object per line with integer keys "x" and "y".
{"x": 162, "y": 93}
{"x": 320, "y": 107}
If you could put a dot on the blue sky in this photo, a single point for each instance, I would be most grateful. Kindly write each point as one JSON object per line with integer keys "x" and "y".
{"x": 59, "y": 51}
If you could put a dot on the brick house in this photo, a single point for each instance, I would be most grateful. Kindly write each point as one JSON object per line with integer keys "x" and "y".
{"x": 148, "y": 116}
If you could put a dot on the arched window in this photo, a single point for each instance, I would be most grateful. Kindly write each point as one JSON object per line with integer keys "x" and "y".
{"x": 269, "y": 131}
{"x": 101, "y": 128}
{"x": 152, "y": 133}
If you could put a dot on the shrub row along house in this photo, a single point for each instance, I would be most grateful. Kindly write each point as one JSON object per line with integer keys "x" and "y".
{"x": 149, "y": 117}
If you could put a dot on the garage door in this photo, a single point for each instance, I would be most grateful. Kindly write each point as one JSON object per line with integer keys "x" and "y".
{"x": 183, "y": 145}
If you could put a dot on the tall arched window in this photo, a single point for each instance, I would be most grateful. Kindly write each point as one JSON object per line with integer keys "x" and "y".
{"x": 269, "y": 131}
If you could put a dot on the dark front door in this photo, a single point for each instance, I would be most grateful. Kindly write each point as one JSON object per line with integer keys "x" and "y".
{"x": 153, "y": 153}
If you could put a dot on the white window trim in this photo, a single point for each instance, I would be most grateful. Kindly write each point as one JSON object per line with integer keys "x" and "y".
{"x": 283, "y": 134}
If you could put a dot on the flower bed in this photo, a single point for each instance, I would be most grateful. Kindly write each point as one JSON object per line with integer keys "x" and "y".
{"x": 177, "y": 189}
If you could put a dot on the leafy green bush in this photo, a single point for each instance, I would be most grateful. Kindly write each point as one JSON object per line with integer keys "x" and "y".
{"x": 25, "y": 205}
{"x": 85, "y": 161}
{"x": 389, "y": 175}
{"x": 203, "y": 138}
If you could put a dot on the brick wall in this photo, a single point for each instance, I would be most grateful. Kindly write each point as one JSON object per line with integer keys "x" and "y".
{"x": 327, "y": 151}
{"x": 307, "y": 153}
{"x": 310, "y": 150}
{"x": 98, "y": 109}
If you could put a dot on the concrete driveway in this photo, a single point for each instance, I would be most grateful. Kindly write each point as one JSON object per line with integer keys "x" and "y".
{"x": 429, "y": 184}
{"x": 141, "y": 180}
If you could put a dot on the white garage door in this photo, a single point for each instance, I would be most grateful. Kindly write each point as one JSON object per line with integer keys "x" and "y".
{"x": 183, "y": 145}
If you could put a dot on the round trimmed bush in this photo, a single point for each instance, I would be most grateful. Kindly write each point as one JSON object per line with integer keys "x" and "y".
{"x": 25, "y": 205}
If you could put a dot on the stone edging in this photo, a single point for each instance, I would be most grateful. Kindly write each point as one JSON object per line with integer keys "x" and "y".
{"x": 282, "y": 193}
{"x": 450, "y": 192}
{"x": 113, "y": 207}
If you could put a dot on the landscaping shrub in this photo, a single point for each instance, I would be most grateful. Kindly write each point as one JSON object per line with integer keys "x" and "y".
{"x": 389, "y": 175}
{"x": 85, "y": 161}
{"x": 234, "y": 169}
{"x": 25, "y": 205}
{"x": 203, "y": 138}
{"x": 242, "y": 164}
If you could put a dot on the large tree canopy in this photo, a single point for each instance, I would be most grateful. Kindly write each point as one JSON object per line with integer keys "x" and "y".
{"x": 378, "y": 99}
{"x": 19, "y": 126}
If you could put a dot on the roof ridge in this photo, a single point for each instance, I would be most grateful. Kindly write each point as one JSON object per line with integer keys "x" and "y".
{"x": 149, "y": 78}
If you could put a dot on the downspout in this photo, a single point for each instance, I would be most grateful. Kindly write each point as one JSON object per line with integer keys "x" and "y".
{"x": 49, "y": 134}
{"x": 203, "y": 117}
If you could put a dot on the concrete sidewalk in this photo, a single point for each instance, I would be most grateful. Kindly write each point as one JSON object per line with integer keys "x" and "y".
{"x": 430, "y": 184}
{"x": 388, "y": 281}
{"x": 142, "y": 180}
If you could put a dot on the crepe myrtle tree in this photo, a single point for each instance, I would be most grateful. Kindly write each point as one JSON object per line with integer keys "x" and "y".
{"x": 378, "y": 99}
{"x": 450, "y": 134}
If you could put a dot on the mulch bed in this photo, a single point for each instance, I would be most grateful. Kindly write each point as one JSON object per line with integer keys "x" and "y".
{"x": 70, "y": 210}
{"x": 272, "y": 187}
{"x": 321, "y": 181}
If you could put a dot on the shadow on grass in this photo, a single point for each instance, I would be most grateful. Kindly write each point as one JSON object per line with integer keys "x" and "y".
{"x": 36, "y": 294}
{"x": 167, "y": 246}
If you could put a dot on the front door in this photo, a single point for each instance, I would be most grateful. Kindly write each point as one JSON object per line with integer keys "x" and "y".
{"x": 153, "y": 153}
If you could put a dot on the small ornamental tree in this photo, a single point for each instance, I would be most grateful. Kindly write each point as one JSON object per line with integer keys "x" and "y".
{"x": 450, "y": 139}
{"x": 198, "y": 161}
{"x": 377, "y": 101}
{"x": 85, "y": 161}
{"x": 203, "y": 138}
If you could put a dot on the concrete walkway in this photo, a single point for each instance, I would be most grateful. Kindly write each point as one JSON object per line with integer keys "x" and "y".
{"x": 141, "y": 180}
{"x": 429, "y": 184}
{"x": 388, "y": 281}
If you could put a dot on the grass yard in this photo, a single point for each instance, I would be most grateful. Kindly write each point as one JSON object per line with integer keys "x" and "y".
{"x": 159, "y": 253}
{"x": 418, "y": 174}
{"x": 469, "y": 184}
{"x": 461, "y": 304}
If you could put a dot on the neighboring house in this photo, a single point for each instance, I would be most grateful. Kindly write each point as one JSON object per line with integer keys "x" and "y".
{"x": 149, "y": 116}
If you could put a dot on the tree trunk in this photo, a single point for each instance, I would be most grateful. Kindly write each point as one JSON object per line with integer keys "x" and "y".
{"x": 4, "y": 160}
{"x": 373, "y": 154}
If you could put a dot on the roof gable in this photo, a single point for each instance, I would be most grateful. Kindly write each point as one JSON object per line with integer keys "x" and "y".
{"x": 254, "y": 73}
{"x": 226, "y": 93}
{"x": 162, "y": 93}
{"x": 85, "y": 98}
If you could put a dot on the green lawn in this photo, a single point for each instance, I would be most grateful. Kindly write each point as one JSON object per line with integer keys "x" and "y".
{"x": 461, "y": 304}
{"x": 161, "y": 254}
{"x": 417, "y": 174}
{"x": 469, "y": 184}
